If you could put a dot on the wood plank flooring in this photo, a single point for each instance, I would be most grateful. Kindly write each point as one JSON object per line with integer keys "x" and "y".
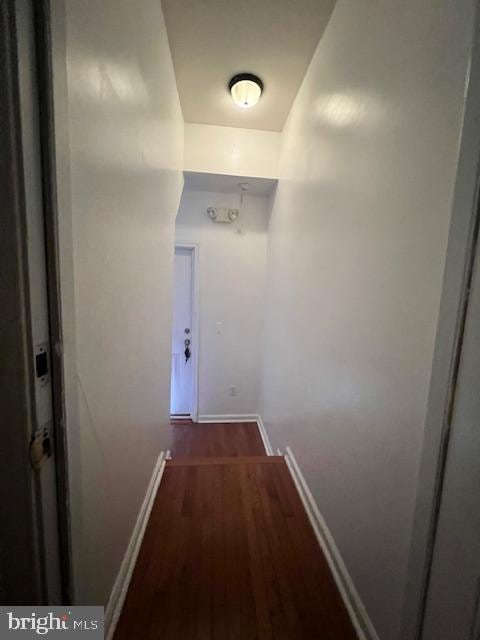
{"x": 229, "y": 553}
{"x": 221, "y": 439}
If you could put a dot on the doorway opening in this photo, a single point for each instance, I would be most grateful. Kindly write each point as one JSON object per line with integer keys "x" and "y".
{"x": 184, "y": 376}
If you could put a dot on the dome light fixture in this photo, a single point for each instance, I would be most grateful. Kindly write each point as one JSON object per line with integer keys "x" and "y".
{"x": 246, "y": 89}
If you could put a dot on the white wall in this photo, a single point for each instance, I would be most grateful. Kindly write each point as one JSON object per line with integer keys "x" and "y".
{"x": 125, "y": 157}
{"x": 357, "y": 245}
{"x": 231, "y": 291}
{"x": 231, "y": 150}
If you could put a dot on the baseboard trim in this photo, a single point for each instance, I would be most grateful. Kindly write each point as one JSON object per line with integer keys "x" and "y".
{"x": 355, "y": 607}
{"x": 264, "y": 436}
{"x": 228, "y": 417}
{"x": 120, "y": 587}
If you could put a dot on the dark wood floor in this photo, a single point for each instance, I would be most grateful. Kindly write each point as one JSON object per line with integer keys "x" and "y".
{"x": 229, "y": 554}
{"x": 204, "y": 440}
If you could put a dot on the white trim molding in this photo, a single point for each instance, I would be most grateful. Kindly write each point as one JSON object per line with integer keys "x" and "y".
{"x": 264, "y": 436}
{"x": 355, "y": 607}
{"x": 228, "y": 417}
{"x": 120, "y": 587}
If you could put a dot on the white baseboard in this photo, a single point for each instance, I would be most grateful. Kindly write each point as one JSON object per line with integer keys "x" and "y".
{"x": 264, "y": 436}
{"x": 356, "y": 609}
{"x": 228, "y": 417}
{"x": 120, "y": 587}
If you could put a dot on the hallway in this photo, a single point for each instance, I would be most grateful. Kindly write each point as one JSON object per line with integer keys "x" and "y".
{"x": 229, "y": 551}
{"x": 263, "y": 216}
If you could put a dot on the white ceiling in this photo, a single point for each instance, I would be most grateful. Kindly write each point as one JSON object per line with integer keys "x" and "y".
{"x": 220, "y": 183}
{"x": 212, "y": 40}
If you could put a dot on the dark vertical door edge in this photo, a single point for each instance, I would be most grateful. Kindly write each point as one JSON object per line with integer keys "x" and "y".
{"x": 43, "y": 44}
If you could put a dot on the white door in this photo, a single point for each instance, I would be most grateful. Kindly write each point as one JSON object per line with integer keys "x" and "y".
{"x": 452, "y": 608}
{"x": 29, "y": 532}
{"x": 38, "y": 291}
{"x": 182, "y": 343}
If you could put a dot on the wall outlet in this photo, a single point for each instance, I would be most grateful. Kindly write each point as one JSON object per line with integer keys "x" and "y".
{"x": 233, "y": 391}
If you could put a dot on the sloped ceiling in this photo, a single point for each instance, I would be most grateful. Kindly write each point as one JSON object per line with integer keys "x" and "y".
{"x": 212, "y": 40}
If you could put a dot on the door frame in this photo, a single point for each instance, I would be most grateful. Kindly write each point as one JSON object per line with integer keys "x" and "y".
{"x": 44, "y": 49}
{"x": 461, "y": 250}
{"x": 195, "y": 250}
{"x": 20, "y": 534}
{"x": 19, "y": 486}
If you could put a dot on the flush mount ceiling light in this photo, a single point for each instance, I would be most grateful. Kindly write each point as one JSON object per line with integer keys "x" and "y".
{"x": 246, "y": 89}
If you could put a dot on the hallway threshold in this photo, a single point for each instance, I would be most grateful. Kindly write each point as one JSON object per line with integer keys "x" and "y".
{"x": 229, "y": 554}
